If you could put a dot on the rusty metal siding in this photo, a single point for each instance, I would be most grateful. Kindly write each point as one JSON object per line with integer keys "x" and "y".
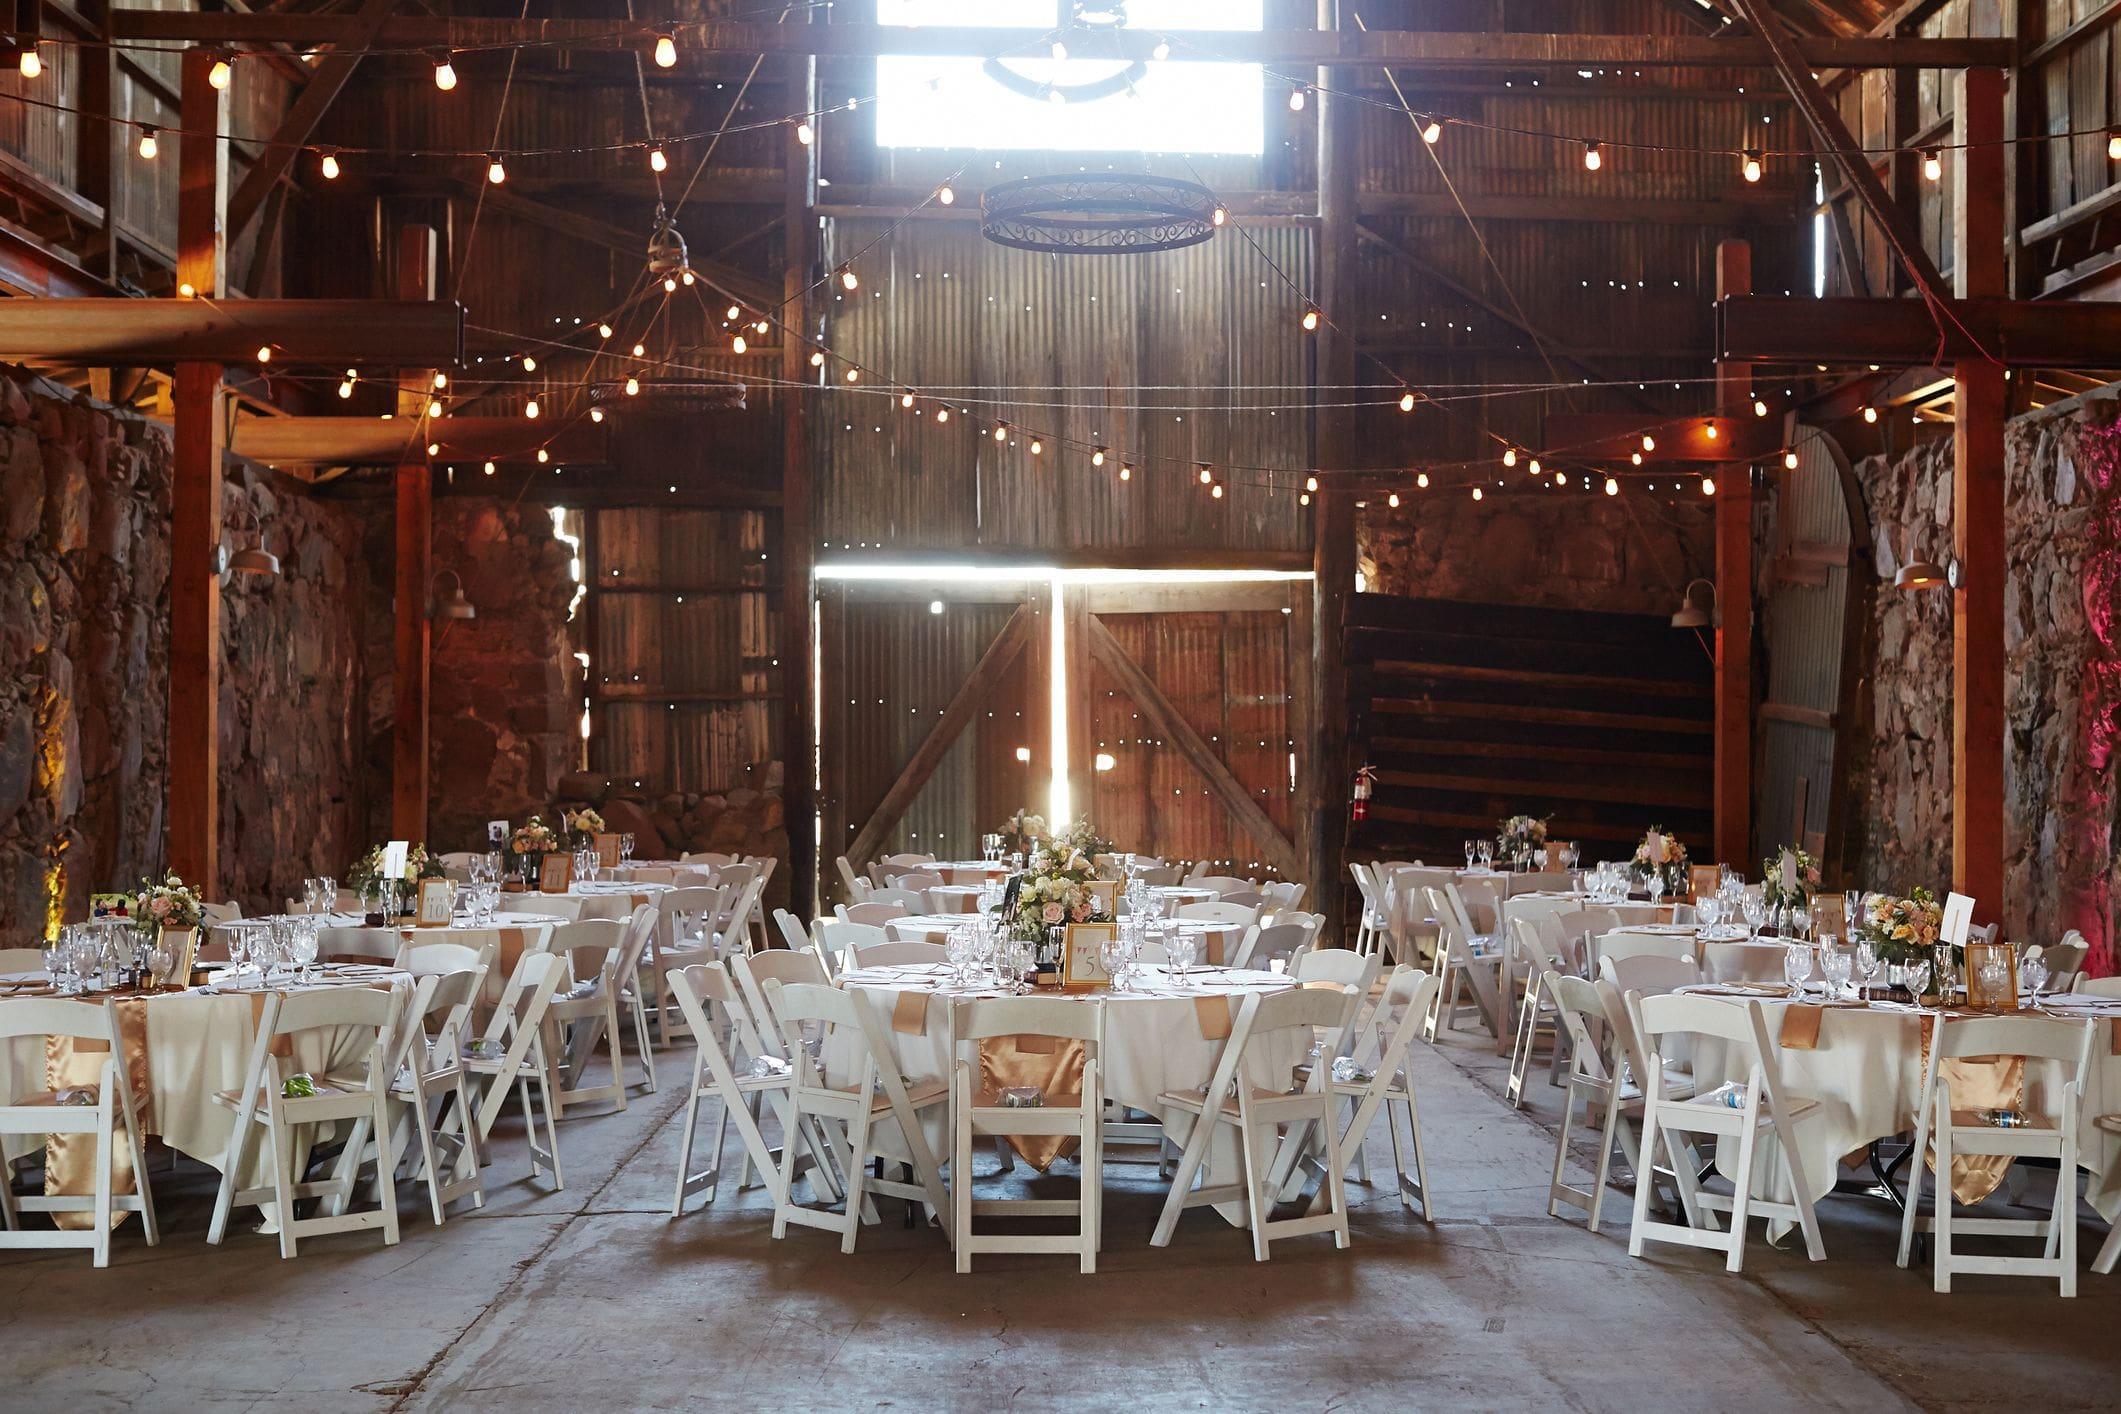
{"x": 949, "y": 312}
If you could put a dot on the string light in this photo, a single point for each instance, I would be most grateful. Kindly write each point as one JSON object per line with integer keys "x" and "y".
{"x": 603, "y": 331}
{"x": 1431, "y": 130}
{"x": 1789, "y": 459}
{"x": 1406, "y": 401}
{"x": 734, "y": 312}
{"x": 737, "y": 344}
{"x": 1477, "y": 494}
{"x": 633, "y": 386}
{"x": 530, "y": 409}
{"x": 1612, "y": 487}
{"x": 670, "y": 284}
{"x": 1870, "y": 414}
{"x": 1310, "y": 319}
{"x": 1219, "y": 216}
{"x": 1162, "y": 51}
{"x": 1001, "y": 431}
{"x": 1634, "y": 458}
{"x": 1296, "y": 98}
{"x": 148, "y": 146}
{"x": 188, "y": 290}
{"x": 1126, "y": 472}
{"x": 1206, "y": 475}
{"x": 1304, "y": 499}
{"x": 942, "y": 414}
{"x": 1649, "y": 443}
{"x": 434, "y": 407}
{"x": 849, "y": 279}
{"x": 1561, "y": 478}
{"x": 495, "y": 172}
{"x": 761, "y": 326}
{"x": 328, "y": 165}
{"x": 596, "y": 414}
{"x": 1751, "y": 164}
{"x": 1535, "y": 466}
{"x": 1932, "y": 163}
{"x": 1711, "y": 431}
{"x": 543, "y": 456}
{"x": 905, "y": 400}
{"x": 346, "y": 384}
{"x": 640, "y": 350}
{"x": 441, "y": 380}
{"x": 31, "y": 63}
{"x": 1037, "y": 447}
{"x": 805, "y": 134}
{"x": 1310, "y": 483}
{"x": 1421, "y": 479}
{"x": 666, "y": 50}
{"x": 445, "y": 72}
{"x": 854, "y": 375}
{"x": 817, "y": 358}
{"x": 1509, "y": 456}
{"x": 265, "y": 353}
{"x": 1393, "y": 500}
{"x": 1759, "y": 407}
{"x": 657, "y": 162}
{"x": 530, "y": 363}
{"x": 220, "y": 73}
{"x": 1097, "y": 457}
{"x": 488, "y": 468}
{"x": 434, "y": 449}
{"x": 2113, "y": 144}
{"x": 1216, "y": 490}
{"x": 1593, "y": 156}
{"x": 945, "y": 195}
{"x": 1708, "y": 485}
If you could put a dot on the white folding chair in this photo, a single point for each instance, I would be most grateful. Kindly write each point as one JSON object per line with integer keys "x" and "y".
{"x": 2066, "y": 1047}
{"x": 637, "y": 975}
{"x": 800, "y": 939}
{"x": 838, "y": 940}
{"x": 377, "y": 945}
{"x": 857, "y": 887}
{"x": 1652, "y": 974}
{"x": 1465, "y": 972}
{"x": 1254, "y": 899}
{"x": 46, "y": 1112}
{"x": 874, "y": 914}
{"x": 976, "y": 1109}
{"x": 357, "y": 1092}
{"x": 877, "y": 1093}
{"x": 897, "y": 953}
{"x": 428, "y": 1073}
{"x": 21, "y": 960}
{"x": 1625, "y": 943}
{"x": 1236, "y": 914}
{"x": 1370, "y": 930}
{"x": 1601, "y": 1072}
{"x": 1532, "y": 1008}
{"x": 1735, "y": 1115}
{"x": 1742, "y": 962}
{"x": 1401, "y": 1011}
{"x": 587, "y": 1012}
{"x": 438, "y": 959}
{"x": 1220, "y": 884}
{"x": 1234, "y": 1096}
{"x": 517, "y": 1030}
{"x": 1260, "y": 948}
{"x": 909, "y": 900}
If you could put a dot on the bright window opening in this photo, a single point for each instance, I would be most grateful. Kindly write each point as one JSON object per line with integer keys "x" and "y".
{"x": 1080, "y": 103}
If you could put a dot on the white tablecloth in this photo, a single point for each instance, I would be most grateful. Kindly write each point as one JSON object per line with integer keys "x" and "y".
{"x": 1866, "y": 1074}
{"x": 1153, "y": 1043}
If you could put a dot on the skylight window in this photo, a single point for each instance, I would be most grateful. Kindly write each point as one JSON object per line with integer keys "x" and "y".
{"x": 1081, "y": 103}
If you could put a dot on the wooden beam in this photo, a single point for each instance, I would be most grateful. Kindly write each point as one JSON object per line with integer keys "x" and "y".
{"x": 1617, "y": 436}
{"x": 1795, "y": 63}
{"x": 798, "y": 547}
{"x": 302, "y": 117}
{"x": 1168, "y": 722}
{"x": 192, "y": 827}
{"x": 333, "y": 332}
{"x": 376, "y": 441}
{"x": 742, "y": 284}
{"x": 414, "y": 577}
{"x": 966, "y": 703}
{"x": 1978, "y": 513}
{"x": 1350, "y": 49}
{"x": 1733, "y": 811}
{"x": 1908, "y": 333}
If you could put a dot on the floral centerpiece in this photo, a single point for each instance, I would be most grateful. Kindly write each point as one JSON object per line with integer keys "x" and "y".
{"x": 171, "y": 904}
{"x": 1055, "y": 893}
{"x": 1662, "y": 856}
{"x": 1023, "y": 832}
{"x": 1902, "y": 930}
{"x": 585, "y": 825}
{"x": 1788, "y": 878}
{"x": 367, "y": 871}
{"x": 1519, "y": 835}
{"x": 528, "y": 846}
{"x": 1081, "y": 838}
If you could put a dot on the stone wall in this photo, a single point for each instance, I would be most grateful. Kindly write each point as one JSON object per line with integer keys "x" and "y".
{"x": 84, "y": 667}
{"x": 1572, "y": 549}
{"x": 506, "y": 689}
{"x": 2062, "y": 686}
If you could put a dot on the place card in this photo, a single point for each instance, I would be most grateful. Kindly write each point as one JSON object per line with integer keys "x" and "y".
{"x": 438, "y": 899}
{"x": 608, "y": 851}
{"x": 555, "y": 873}
{"x": 1082, "y": 962}
{"x": 1830, "y": 913}
{"x": 1704, "y": 879}
{"x": 2002, "y": 997}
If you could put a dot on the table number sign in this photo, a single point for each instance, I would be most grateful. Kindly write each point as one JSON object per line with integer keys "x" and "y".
{"x": 1106, "y": 892}
{"x": 607, "y": 851}
{"x": 1082, "y": 961}
{"x": 1992, "y": 976}
{"x": 555, "y": 873}
{"x": 1830, "y": 913}
{"x": 1704, "y": 879}
{"x": 437, "y": 900}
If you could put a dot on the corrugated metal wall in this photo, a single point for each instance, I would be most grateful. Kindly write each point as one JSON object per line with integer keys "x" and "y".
{"x": 1804, "y": 613}
{"x": 683, "y": 631}
{"x": 952, "y": 310}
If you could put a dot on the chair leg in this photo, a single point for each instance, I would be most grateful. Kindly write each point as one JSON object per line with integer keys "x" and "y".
{"x": 692, "y": 1121}
{"x": 428, "y": 1159}
{"x": 640, "y": 1036}
{"x": 857, "y": 1177}
{"x": 1645, "y": 1178}
{"x": 1741, "y": 1199}
{"x": 2109, "y": 1251}
{"x": 1189, "y": 1163}
{"x": 1561, "y": 1153}
{"x": 961, "y": 1191}
{"x": 149, "y": 1227}
{"x": 282, "y": 1186}
{"x": 2065, "y": 1218}
{"x": 387, "y": 1165}
{"x": 106, "y": 1158}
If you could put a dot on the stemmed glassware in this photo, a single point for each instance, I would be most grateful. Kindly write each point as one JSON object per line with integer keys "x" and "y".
{"x": 958, "y": 949}
{"x": 1755, "y": 908}
{"x": 302, "y": 945}
{"x": 626, "y": 848}
{"x": 1472, "y": 848}
{"x": 1865, "y": 964}
{"x": 1796, "y": 966}
{"x": 2032, "y": 974}
{"x": 1487, "y": 854}
{"x": 1180, "y": 946}
{"x": 1835, "y": 965}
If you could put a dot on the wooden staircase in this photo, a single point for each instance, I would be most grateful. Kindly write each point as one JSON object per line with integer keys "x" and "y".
{"x": 1472, "y": 712}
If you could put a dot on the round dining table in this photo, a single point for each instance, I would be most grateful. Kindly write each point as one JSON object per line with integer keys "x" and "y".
{"x": 1164, "y": 1036}
{"x": 1215, "y": 944}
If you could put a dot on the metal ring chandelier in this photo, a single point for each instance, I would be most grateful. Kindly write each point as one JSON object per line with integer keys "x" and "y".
{"x": 1108, "y": 213}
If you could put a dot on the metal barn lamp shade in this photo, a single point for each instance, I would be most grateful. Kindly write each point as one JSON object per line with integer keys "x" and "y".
{"x": 1922, "y": 574}
{"x": 253, "y": 560}
{"x": 452, "y": 605}
{"x": 1691, "y": 614}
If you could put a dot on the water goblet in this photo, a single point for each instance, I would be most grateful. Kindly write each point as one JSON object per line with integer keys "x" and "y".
{"x": 1918, "y": 977}
{"x": 2032, "y": 974}
{"x": 1181, "y": 949}
{"x": 1835, "y": 964}
{"x": 1755, "y": 908}
{"x": 59, "y": 961}
{"x": 302, "y": 945}
{"x": 1865, "y": 963}
{"x": 1472, "y": 848}
{"x": 1796, "y": 966}
{"x": 957, "y": 949}
{"x": 626, "y": 845}
{"x": 1852, "y": 910}
{"x": 1708, "y": 912}
{"x": 1656, "y": 886}
{"x": 1801, "y": 920}
{"x": 1487, "y": 854}
{"x": 1112, "y": 952}
{"x": 1995, "y": 974}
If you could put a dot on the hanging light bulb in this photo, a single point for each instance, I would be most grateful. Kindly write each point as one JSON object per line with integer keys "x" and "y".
{"x": 1310, "y": 483}
{"x": 1635, "y": 458}
{"x": 805, "y": 134}
{"x": 434, "y": 407}
{"x": 1162, "y": 51}
{"x": 1097, "y": 458}
{"x": 1431, "y": 131}
{"x": 2113, "y": 144}
{"x": 488, "y": 468}
{"x": 543, "y": 456}
{"x": 1711, "y": 431}
{"x": 1304, "y": 499}
{"x": 1509, "y": 456}
{"x": 657, "y": 162}
{"x": 1393, "y": 500}
{"x": 148, "y": 146}
{"x": 945, "y": 195}
{"x": 1932, "y": 163}
{"x": 530, "y": 363}
{"x": 1534, "y": 467}
{"x": 1759, "y": 407}
{"x": 346, "y": 386}
{"x": 32, "y": 63}
{"x": 849, "y": 279}
{"x": 603, "y": 331}
{"x": 1206, "y": 475}
{"x": 1037, "y": 447}
{"x": 265, "y": 353}
{"x": 905, "y": 400}
{"x": 1310, "y": 319}
{"x": 1406, "y": 401}
{"x": 1001, "y": 431}
{"x": 1126, "y": 473}
{"x": 1219, "y": 216}
{"x": 328, "y": 165}
{"x": 817, "y": 358}
{"x": 596, "y": 414}
{"x": 738, "y": 344}
{"x": 495, "y": 172}
{"x": 1789, "y": 459}
{"x": 220, "y": 73}
{"x": 445, "y": 72}
{"x": 1708, "y": 485}
{"x": 1612, "y": 487}
{"x": 1561, "y": 478}
{"x": 640, "y": 350}
{"x": 854, "y": 375}
{"x": 530, "y": 409}
{"x": 434, "y": 449}
{"x": 1593, "y": 156}
{"x": 666, "y": 50}
{"x": 1296, "y": 98}
{"x": 1216, "y": 491}
{"x": 441, "y": 380}
{"x": 1870, "y": 414}
{"x": 633, "y": 386}
{"x": 188, "y": 290}
{"x": 1477, "y": 493}
{"x": 942, "y": 414}
{"x": 1649, "y": 443}
{"x": 733, "y": 312}
{"x": 1421, "y": 479}
{"x": 670, "y": 284}
{"x": 1751, "y": 164}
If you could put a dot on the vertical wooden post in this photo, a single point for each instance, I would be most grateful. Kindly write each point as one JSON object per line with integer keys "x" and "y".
{"x": 798, "y": 536}
{"x": 1978, "y": 506}
{"x": 1324, "y": 839}
{"x": 98, "y": 145}
{"x": 409, "y": 757}
{"x": 193, "y": 826}
{"x": 1733, "y": 798}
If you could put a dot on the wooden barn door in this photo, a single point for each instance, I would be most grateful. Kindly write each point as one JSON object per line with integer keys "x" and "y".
{"x": 1189, "y": 697}
{"x": 933, "y": 716}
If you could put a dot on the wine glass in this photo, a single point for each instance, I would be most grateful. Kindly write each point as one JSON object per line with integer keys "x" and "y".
{"x": 983, "y": 944}
{"x": 1995, "y": 974}
{"x": 2032, "y": 972}
{"x": 1918, "y": 976}
{"x": 1866, "y": 964}
{"x": 1112, "y": 952}
{"x": 957, "y": 948}
{"x": 626, "y": 848}
{"x": 1852, "y": 910}
{"x": 1487, "y": 854}
{"x": 302, "y": 945}
{"x": 1796, "y": 966}
{"x": 1708, "y": 912}
{"x": 1472, "y": 849}
{"x": 1801, "y": 920}
{"x": 1656, "y": 888}
{"x": 1181, "y": 947}
{"x": 59, "y": 961}
{"x": 1755, "y": 909}
{"x": 1835, "y": 964}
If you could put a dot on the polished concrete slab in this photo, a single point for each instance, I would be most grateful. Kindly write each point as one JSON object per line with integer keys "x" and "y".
{"x": 593, "y": 1296}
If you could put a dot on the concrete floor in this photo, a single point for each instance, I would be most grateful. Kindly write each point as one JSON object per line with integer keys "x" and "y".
{"x": 594, "y": 1297}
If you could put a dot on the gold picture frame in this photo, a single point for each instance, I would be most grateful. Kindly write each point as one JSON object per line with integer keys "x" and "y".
{"x": 438, "y": 899}
{"x": 1082, "y": 966}
{"x": 555, "y": 873}
{"x": 608, "y": 851}
{"x": 1978, "y": 994}
{"x": 1704, "y": 879}
{"x": 1830, "y": 914}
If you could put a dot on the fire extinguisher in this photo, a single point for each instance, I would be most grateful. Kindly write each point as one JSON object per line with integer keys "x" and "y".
{"x": 1365, "y": 779}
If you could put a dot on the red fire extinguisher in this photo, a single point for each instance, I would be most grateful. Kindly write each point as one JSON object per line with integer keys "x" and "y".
{"x": 1364, "y": 781}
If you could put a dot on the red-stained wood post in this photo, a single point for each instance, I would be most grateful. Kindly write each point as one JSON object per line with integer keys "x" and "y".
{"x": 1733, "y": 798}
{"x": 409, "y": 755}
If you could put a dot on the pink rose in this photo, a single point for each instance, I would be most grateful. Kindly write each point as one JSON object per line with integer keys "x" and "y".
{"x": 1052, "y": 913}
{"x": 160, "y": 908}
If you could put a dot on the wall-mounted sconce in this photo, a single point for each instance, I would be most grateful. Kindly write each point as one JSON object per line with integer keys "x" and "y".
{"x": 1927, "y": 574}
{"x": 1691, "y": 614}
{"x": 253, "y": 559}
{"x": 452, "y": 605}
